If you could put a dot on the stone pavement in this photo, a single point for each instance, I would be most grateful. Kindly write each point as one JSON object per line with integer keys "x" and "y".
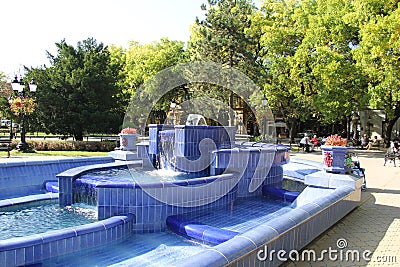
{"x": 373, "y": 226}
{"x": 14, "y": 158}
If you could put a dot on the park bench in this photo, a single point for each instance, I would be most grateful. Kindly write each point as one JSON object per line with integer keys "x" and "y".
{"x": 376, "y": 145}
{"x": 5, "y": 144}
{"x": 391, "y": 157}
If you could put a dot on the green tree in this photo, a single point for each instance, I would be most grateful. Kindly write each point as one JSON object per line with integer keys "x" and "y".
{"x": 311, "y": 70}
{"x": 379, "y": 56}
{"x": 143, "y": 61}
{"x": 78, "y": 92}
{"x": 282, "y": 31}
{"x": 323, "y": 66}
{"x": 5, "y": 92}
{"x": 124, "y": 92}
{"x": 224, "y": 36}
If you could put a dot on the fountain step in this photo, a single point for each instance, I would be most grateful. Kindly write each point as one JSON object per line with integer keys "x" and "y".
{"x": 286, "y": 195}
{"x": 199, "y": 231}
{"x": 52, "y": 187}
{"x": 123, "y": 155}
{"x": 6, "y": 203}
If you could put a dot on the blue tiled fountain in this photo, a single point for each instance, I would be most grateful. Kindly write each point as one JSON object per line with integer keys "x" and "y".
{"x": 233, "y": 200}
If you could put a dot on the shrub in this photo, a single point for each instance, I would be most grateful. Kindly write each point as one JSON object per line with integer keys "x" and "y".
{"x": 60, "y": 145}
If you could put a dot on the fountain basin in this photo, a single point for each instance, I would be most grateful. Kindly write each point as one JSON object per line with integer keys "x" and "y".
{"x": 318, "y": 209}
{"x": 151, "y": 202}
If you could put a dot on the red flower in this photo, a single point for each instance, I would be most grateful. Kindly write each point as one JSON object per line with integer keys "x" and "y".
{"x": 328, "y": 159}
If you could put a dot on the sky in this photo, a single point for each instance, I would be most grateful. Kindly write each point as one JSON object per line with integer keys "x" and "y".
{"x": 29, "y": 28}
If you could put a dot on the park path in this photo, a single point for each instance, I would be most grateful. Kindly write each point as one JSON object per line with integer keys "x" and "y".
{"x": 373, "y": 226}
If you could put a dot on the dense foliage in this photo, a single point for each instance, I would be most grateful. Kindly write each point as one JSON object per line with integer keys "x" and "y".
{"x": 78, "y": 92}
{"x": 379, "y": 55}
{"x": 311, "y": 58}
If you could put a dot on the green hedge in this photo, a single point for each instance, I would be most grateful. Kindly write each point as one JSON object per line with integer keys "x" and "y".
{"x": 60, "y": 145}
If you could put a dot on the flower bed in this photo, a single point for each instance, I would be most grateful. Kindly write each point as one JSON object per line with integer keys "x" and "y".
{"x": 61, "y": 145}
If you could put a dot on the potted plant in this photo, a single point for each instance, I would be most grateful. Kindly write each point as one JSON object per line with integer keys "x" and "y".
{"x": 127, "y": 139}
{"x": 22, "y": 105}
{"x": 335, "y": 153}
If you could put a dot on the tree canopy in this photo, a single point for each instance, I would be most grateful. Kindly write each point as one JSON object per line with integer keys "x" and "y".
{"x": 379, "y": 56}
{"x": 78, "y": 92}
{"x": 310, "y": 58}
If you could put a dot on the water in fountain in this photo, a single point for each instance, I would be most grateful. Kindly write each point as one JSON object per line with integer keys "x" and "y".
{"x": 84, "y": 193}
{"x": 167, "y": 155}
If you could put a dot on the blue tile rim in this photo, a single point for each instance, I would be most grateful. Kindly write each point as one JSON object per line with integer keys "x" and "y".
{"x": 267, "y": 233}
{"x": 27, "y": 199}
{"x": 111, "y": 230}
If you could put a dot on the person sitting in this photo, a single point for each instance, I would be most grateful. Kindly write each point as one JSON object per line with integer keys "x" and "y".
{"x": 394, "y": 146}
{"x": 364, "y": 141}
{"x": 356, "y": 139}
{"x": 374, "y": 142}
{"x": 306, "y": 143}
{"x": 315, "y": 141}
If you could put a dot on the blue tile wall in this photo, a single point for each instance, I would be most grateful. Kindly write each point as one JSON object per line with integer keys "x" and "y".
{"x": 150, "y": 213}
{"x": 294, "y": 230}
{"x": 143, "y": 149}
{"x": 37, "y": 248}
{"x": 246, "y": 159}
{"x": 66, "y": 178}
{"x": 187, "y": 138}
{"x": 28, "y": 177}
{"x": 154, "y": 143}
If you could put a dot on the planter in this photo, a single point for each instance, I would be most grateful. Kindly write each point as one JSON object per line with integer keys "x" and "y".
{"x": 335, "y": 158}
{"x": 128, "y": 141}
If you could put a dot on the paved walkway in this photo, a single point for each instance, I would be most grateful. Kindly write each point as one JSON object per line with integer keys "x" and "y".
{"x": 373, "y": 226}
{"x": 14, "y": 158}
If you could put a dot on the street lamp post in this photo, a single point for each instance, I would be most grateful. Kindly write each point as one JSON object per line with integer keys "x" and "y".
{"x": 369, "y": 124}
{"x": 264, "y": 103}
{"x": 19, "y": 87}
{"x": 355, "y": 118}
{"x": 173, "y": 106}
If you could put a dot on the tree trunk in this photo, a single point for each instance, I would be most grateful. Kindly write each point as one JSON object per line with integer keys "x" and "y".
{"x": 231, "y": 115}
{"x": 389, "y": 125}
{"x": 388, "y": 131}
{"x": 348, "y": 120}
{"x": 291, "y": 123}
{"x": 78, "y": 135}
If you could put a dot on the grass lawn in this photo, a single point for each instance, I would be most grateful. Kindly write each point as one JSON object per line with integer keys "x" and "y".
{"x": 54, "y": 153}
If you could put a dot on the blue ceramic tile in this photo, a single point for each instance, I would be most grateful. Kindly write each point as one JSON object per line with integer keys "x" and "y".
{"x": 106, "y": 212}
{"x": 120, "y": 197}
{"x": 83, "y": 242}
{"x": 38, "y": 253}
{"x": 10, "y": 258}
{"x": 46, "y": 251}
{"x": 90, "y": 240}
{"x": 62, "y": 247}
{"x": 54, "y": 249}
{"x": 69, "y": 245}
{"x": 20, "y": 257}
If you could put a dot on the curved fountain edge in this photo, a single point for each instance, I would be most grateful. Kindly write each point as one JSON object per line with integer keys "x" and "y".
{"x": 292, "y": 231}
{"x": 39, "y": 247}
{"x": 26, "y": 177}
{"x": 5, "y": 203}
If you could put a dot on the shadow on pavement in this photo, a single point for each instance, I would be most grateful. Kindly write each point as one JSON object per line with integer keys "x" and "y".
{"x": 382, "y": 191}
{"x": 363, "y": 229}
